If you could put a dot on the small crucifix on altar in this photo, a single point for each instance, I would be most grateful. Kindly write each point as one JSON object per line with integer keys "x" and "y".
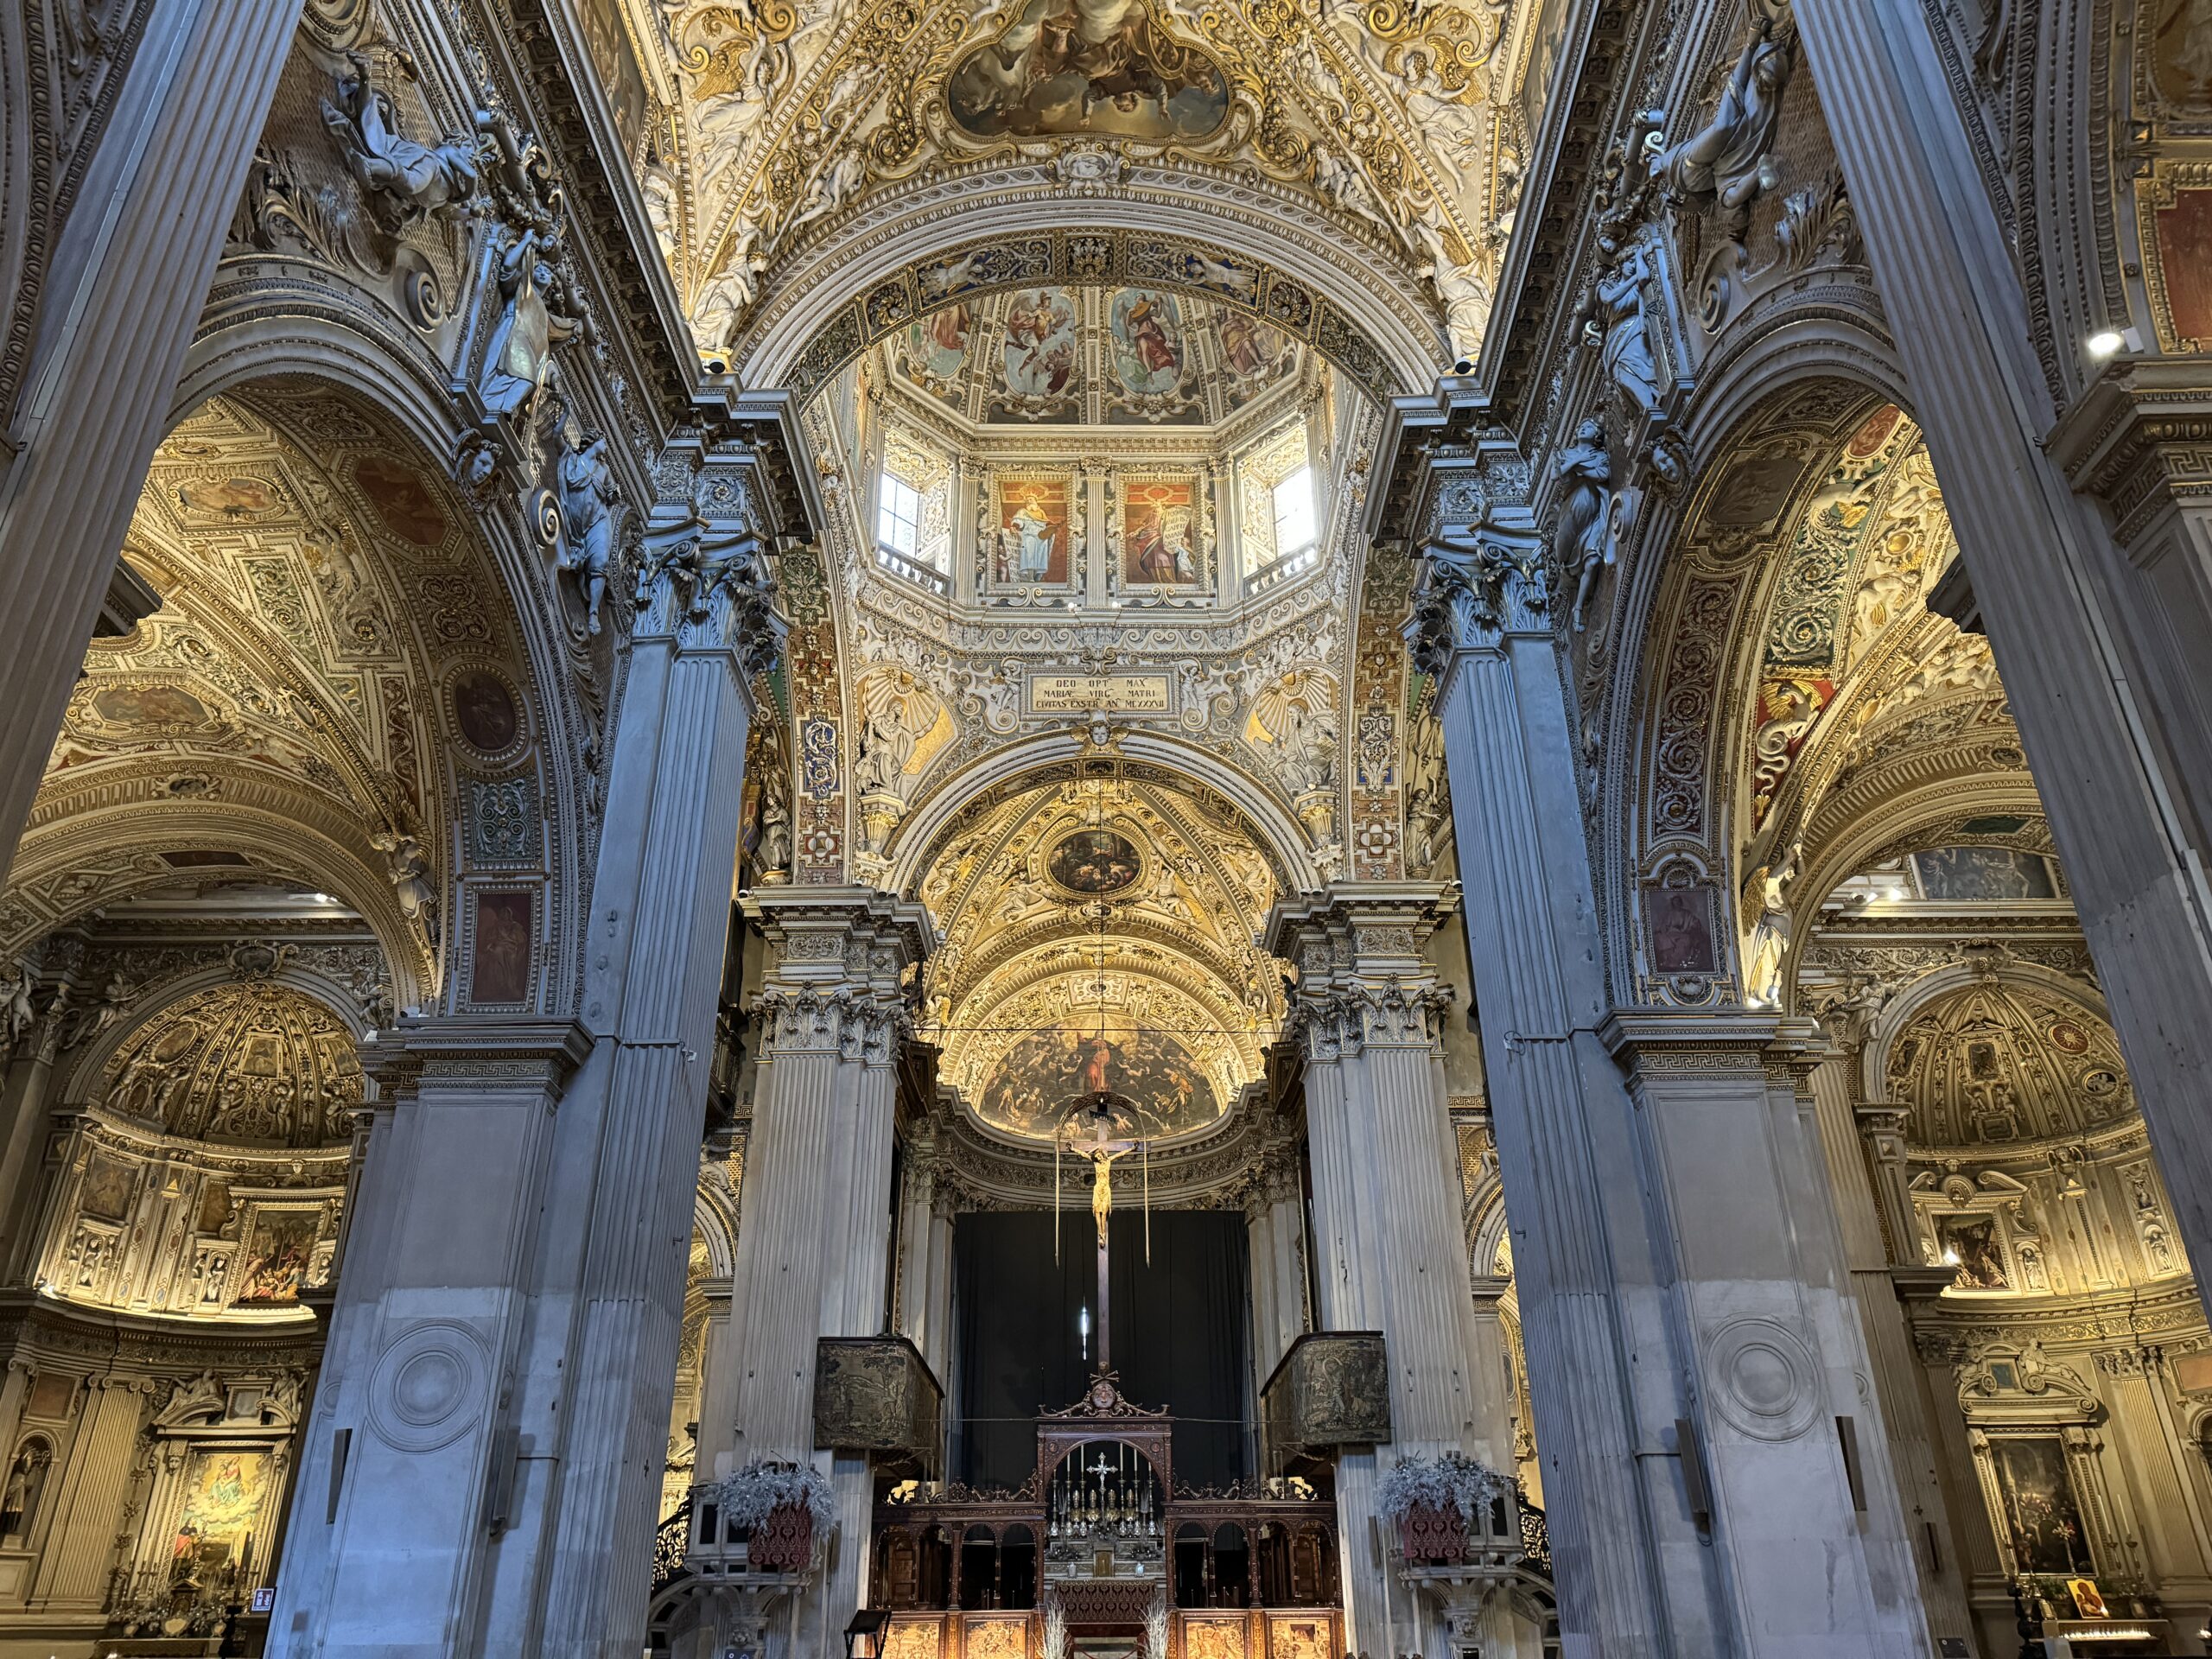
{"x": 1091, "y": 1130}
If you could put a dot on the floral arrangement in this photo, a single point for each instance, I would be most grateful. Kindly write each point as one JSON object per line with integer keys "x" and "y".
{"x": 1453, "y": 1481}
{"x": 1055, "y": 1645}
{"x": 748, "y": 1496}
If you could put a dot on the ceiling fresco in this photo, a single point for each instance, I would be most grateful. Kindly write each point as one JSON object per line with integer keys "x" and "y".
{"x": 1402, "y": 125}
{"x": 1098, "y": 936}
{"x": 1093, "y": 357}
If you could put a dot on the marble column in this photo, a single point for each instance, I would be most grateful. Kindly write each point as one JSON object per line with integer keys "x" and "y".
{"x": 483, "y": 1473}
{"x": 1275, "y": 1228}
{"x": 123, "y": 286}
{"x": 2101, "y": 646}
{"x": 1391, "y": 1251}
{"x": 815, "y": 1249}
{"x": 1684, "y": 1315}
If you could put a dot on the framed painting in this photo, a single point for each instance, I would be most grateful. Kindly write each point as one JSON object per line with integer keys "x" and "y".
{"x": 1161, "y": 538}
{"x": 1031, "y": 546}
{"x": 500, "y": 947}
{"x": 2040, "y": 1520}
{"x": 275, "y": 1261}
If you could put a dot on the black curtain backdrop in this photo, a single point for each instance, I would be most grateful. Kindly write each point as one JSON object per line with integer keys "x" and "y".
{"x": 1181, "y": 1334}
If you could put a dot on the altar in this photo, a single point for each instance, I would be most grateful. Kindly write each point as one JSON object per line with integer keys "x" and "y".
{"x": 1100, "y": 1552}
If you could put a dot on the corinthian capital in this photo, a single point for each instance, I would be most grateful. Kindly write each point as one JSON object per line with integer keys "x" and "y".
{"x": 1479, "y": 583}
{"x": 1363, "y": 980}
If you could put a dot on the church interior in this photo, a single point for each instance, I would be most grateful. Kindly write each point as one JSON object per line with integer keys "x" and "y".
{"x": 1105, "y": 829}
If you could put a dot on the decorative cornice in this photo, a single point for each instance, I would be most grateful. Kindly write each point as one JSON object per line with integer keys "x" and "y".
{"x": 2139, "y": 441}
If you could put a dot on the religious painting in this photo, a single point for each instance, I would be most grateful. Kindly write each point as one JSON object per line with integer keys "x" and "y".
{"x": 1146, "y": 331}
{"x": 1249, "y": 349}
{"x": 397, "y": 494}
{"x": 148, "y": 705}
{"x": 1873, "y": 432}
{"x": 998, "y": 1638}
{"x": 2040, "y": 1520}
{"x": 1044, "y": 1070}
{"x": 1299, "y": 1638}
{"x": 484, "y": 708}
{"x": 1159, "y": 520}
{"x": 500, "y": 964}
{"x": 106, "y": 1189}
{"x": 233, "y": 498}
{"x": 2181, "y": 53}
{"x": 2069, "y": 1038}
{"x": 1063, "y": 67}
{"x": 912, "y": 1638}
{"x": 225, "y": 1492}
{"x": 1968, "y": 875}
{"x": 619, "y": 74}
{"x": 2184, "y": 233}
{"x": 274, "y": 1263}
{"x": 935, "y": 349}
{"x": 215, "y": 1213}
{"x": 1039, "y": 349}
{"x": 1681, "y": 920}
{"x": 1969, "y": 1243}
{"x": 2088, "y": 1601}
{"x": 1029, "y": 542}
{"x": 1213, "y": 1638}
{"x": 1095, "y": 861}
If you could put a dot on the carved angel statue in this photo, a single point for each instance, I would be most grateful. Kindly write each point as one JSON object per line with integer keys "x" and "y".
{"x": 1729, "y": 161}
{"x": 1613, "y": 321}
{"x": 409, "y": 179}
{"x": 1769, "y": 937}
{"x": 521, "y": 353}
{"x": 407, "y": 864}
{"x": 1582, "y": 541}
{"x": 88, "y": 1023}
{"x": 886, "y": 747}
{"x": 16, "y": 1014}
{"x": 588, "y": 500}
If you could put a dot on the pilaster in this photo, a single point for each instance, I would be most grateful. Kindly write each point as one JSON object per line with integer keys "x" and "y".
{"x": 502, "y": 1361}
{"x": 1391, "y": 1252}
{"x": 813, "y": 1255}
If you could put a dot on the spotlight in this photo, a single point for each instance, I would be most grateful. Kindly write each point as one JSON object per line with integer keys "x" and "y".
{"x": 2104, "y": 343}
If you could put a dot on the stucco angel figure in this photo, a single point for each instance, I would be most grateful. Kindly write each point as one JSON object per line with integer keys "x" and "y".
{"x": 588, "y": 499}
{"x": 1730, "y": 159}
{"x": 886, "y": 747}
{"x": 772, "y": 854}
{"x": 1613, "y": 321}
{"x": 1582, "y": 541}
{"x": 1768, "y": 943}
{"x": 522, "y": 347}
{"x": 410, "y": 179}
{"x": 16, "y": 1014}
{"x": 407, "y": 864}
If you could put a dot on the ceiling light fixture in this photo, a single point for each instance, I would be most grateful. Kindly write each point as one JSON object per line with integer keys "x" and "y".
{"x": 2106, "y": 342}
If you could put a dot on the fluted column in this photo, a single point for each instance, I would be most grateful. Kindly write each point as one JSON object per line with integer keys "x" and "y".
{"x": 503, "y": 1354}
{"x": 2101, "y": 646}
{"x": 1390, "y": 1252}
{"x": 1681, "y": 1282}
{"x": 816, "y": 1248}
{"x": 123, "y": 286}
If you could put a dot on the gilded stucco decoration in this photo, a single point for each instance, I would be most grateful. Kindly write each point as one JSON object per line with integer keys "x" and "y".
{"x": 1099, "y": 935}
{"x": 2002, "y": 1062}
{"x": 1385, "y": 118}
{"x": 1802, "y": 717}
{"x": 252, "y": 1063}
{"x": 329, "y": 631}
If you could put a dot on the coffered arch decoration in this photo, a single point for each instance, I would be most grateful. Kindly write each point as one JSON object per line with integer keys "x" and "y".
{"x": 1800, "y": 704}
{"x": 252, "y": 1063}
{"x": 202, "y": 1172}
{"x": 1098, "y": 934}
{"x": 337, "y": 686}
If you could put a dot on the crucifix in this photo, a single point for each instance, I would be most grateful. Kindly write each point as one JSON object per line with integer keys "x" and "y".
{"x": 1104, "y": 1152}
